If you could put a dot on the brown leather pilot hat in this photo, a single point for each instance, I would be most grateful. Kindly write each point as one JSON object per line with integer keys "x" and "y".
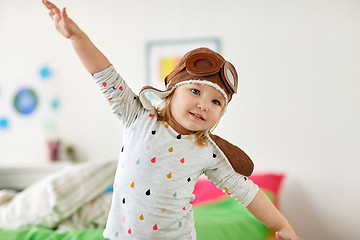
{"x": 201, "y": 66}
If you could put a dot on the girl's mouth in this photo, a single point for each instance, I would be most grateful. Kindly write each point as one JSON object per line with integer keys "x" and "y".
{"x": 197, "y": 116}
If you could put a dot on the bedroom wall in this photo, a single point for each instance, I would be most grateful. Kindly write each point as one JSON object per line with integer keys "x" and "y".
{"x": 297, "y": 110}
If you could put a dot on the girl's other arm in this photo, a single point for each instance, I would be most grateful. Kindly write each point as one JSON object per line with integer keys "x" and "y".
{"x": 91, "y": 57}
{"x": 264, "y": 210}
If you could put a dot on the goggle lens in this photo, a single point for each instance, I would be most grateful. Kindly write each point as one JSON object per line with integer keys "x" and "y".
{"x": 202, "y": 64}
{"x": 230, "y": 77}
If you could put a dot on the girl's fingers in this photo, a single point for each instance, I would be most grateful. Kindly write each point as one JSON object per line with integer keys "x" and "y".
{"x": 55, "y": 15}
{"x": 52, "y": 14}
{"x": 56, "y": 18}
{"x": 64, "y": 14}
{"x": 281, "y": 236}
{"x": 47, "y": 4}
{"x": 51, "y": 7}
{"x": 55, "y": 11}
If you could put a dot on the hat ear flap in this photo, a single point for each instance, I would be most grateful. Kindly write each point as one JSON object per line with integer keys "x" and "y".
{"x": 238, "y": 159}
{"x": 144, "y": 96}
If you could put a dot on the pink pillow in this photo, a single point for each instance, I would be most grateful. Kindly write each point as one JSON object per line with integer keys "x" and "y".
{"x": 269, "y": 182}
{"x": 206, "y": 192}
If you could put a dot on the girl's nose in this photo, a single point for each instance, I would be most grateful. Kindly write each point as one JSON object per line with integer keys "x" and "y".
{"x": 202, "y": 105}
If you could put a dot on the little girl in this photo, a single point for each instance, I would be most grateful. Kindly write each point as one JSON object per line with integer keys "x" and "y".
{"x": 167, "y": 148}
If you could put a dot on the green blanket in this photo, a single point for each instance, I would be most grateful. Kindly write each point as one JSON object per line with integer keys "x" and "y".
{"x": 222, "y": 220}
{"x": 46, "y": 234}
{"x": 227, "y": 219}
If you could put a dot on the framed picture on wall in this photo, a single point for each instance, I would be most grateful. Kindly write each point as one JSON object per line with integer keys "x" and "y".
{"x": 161, "y": 56}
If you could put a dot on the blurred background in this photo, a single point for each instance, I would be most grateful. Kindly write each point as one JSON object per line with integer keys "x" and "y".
{"x": 296, "y": 112}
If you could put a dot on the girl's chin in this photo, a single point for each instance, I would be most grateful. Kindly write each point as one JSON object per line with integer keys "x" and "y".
{"x": 186, "y": 127}
{"x": 191, "y": 129}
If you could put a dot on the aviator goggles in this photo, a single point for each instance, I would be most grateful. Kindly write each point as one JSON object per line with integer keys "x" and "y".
{"x": 206, "y": 64}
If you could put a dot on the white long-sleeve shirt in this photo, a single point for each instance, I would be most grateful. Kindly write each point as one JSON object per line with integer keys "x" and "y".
{"x": 157, "y": 171}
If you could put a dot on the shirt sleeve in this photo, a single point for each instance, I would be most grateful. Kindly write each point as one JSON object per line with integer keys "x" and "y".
{"x": 123, "y": 102}
{"x": 236, "y": 185}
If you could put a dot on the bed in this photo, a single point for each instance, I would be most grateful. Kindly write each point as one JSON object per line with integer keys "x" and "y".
{"x": 73, "y": 204}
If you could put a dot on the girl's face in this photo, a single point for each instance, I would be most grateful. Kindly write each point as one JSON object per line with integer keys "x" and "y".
{"x": 195, "y": 107}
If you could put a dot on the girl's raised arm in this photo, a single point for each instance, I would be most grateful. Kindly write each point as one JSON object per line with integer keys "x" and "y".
{"x": 91, "y": 57}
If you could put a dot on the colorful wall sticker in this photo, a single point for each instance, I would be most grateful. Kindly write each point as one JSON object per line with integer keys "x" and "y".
{"x": 26, "y": 101}
{"x": 4, "y": 123}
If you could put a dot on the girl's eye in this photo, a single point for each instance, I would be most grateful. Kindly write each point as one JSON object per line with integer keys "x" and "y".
{"x": 216, "y": 102}
{"x": 195, "y": 91}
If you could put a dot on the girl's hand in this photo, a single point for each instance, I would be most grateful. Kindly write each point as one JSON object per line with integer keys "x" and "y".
{"x": 63, "y": 23}
{"x": 286, "y": 234}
